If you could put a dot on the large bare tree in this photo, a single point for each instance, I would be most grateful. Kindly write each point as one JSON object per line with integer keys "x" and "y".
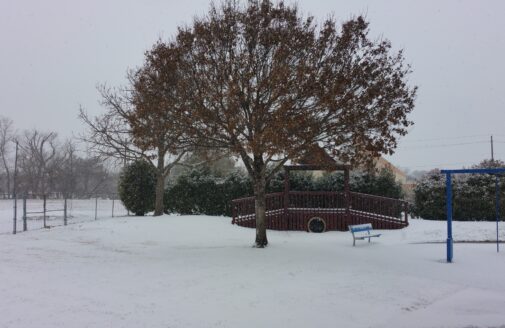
{"x": 38, "y": 160}
{"x": 265, "y": 83}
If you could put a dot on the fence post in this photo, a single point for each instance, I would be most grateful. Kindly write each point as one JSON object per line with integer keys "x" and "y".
{"x": 15, "y": 219}
{"x": 96, "y": 207}
{"x": 24, "y": 213}
{"x": 65, "y": 211}
{"x": 45, "y": 208}
{"x": 112, "y": 207}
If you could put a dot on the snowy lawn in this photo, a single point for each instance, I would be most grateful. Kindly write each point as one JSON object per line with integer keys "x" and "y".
{"x": 200, "y": 271}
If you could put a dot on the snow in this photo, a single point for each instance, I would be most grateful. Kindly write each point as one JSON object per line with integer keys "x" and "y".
{"x": 201, "y": 271}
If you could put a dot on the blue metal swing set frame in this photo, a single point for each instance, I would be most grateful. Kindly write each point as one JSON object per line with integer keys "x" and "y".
{"x": 448, "y": 183}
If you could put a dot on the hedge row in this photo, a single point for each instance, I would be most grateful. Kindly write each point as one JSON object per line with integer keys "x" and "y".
{"x": 473, "y": 197}
{"x": 199, "y": 192}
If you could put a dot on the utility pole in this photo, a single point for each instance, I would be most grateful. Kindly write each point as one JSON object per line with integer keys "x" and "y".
{"x": 492, "y": 150}
{"x": 14, "y": 228}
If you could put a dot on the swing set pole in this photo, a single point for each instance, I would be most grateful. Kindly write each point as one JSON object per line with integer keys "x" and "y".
{"x": 448, "y": 195}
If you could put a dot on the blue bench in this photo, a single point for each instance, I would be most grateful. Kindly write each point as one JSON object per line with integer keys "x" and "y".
{"x": 362, "y": 232}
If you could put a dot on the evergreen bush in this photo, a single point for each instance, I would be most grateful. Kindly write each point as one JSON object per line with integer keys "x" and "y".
{"x": 200, "y": 192}
{"x": 473, "y": 195}
{"x": 137, "y": 184}
{"x": 429, "y": 196}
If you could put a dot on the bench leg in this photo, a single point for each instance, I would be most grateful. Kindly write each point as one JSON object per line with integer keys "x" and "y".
{"x": 354, "y": 242}
{"x": 369, "y": 240}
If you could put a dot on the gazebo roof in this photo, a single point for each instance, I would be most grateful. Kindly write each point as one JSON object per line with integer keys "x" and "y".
{"x": 315, "y": 159}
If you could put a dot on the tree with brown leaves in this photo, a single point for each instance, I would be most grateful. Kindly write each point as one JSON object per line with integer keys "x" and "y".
{"x": 266, "y": 84}
{"x": 157, "y": 110}
{"x": 142, "y": 120}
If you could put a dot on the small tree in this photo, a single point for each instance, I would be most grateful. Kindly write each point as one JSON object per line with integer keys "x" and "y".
{"x": 137, "y": 185}
{"x": 266, "y": 84}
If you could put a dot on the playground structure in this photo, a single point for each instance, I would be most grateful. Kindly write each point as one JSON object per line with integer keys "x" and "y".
{"x": 448, "y": 188}
{"x": 322, "y": 211}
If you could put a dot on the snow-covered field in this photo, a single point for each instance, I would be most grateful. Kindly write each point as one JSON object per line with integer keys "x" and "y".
{"x": 200, "y": 271}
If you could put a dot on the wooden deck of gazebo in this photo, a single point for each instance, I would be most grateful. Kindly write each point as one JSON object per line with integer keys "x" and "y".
{"x": 293, "y": 210}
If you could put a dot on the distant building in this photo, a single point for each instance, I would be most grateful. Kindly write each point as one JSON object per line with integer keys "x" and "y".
{"x": 400, "y": 176}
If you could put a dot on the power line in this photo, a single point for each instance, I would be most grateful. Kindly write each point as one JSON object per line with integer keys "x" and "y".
{"x": 438, "y": 165}
{"x": 447, "y": 138}
{"x": 404, "y": 148}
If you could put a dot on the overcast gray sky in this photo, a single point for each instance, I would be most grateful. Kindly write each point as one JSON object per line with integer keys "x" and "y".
{"x": 54, "y": 52}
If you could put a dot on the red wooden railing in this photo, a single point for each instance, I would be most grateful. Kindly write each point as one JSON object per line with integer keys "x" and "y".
{"x": 243, "y": 209}
{"x": 292, "y": 211}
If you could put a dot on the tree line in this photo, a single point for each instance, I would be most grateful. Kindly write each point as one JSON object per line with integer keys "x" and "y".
{"x": 262, "y": 83}
{"x": 44, "y": 164}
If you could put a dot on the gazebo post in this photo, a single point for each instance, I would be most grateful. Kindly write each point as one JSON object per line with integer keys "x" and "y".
{"x": 286, "y": 196}
{"x": 347, "y": 193}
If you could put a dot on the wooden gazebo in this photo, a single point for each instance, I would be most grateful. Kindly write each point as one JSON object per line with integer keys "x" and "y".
{"x": 320, "y": 211}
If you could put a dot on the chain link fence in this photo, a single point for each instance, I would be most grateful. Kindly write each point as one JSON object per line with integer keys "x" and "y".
{"x": 33, "y": 211}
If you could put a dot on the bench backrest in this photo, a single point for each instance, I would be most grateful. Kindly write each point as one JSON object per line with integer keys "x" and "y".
{"x": 360, "y": 227}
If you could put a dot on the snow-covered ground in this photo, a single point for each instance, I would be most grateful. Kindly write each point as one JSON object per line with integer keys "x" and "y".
{"x": 200, "y": 271}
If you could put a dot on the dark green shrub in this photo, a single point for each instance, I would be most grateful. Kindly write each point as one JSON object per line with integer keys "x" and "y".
{"x": 382, "y": 184}
{"x": 137, "y": 184}
{"x": 199, "y": 192}
{"x": 429, "y": 197}
{"x": 331, "y": 182}
{"x": 236, "y": 185}
{"x": 473, "y": 195}
{"x": 298, "y": 181}
{"x": 185, "y": 194}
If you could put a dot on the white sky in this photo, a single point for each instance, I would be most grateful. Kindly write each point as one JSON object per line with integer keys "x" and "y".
{"x": 53, "y": 53}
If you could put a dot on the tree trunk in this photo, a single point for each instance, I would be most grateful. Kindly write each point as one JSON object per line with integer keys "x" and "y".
{"x": 8, "y": 176}
{"x": 260, "y": 210}
{"x": 160, "y": 191}
{"x": 160, "y": 185}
